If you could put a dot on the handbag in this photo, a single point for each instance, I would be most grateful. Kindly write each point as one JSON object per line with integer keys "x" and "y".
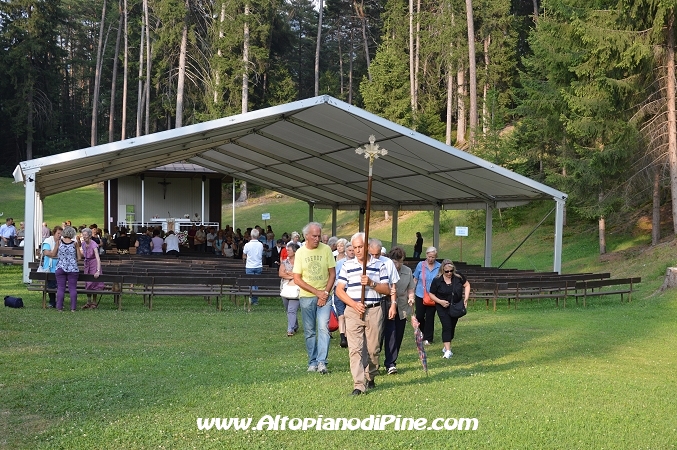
{"x": 289, "y": 290}
{"x": 457, "y": 309}
{"x": 14, "y": 302}
{"x": 333, "y": 321}
{"x": 427, "y": 301}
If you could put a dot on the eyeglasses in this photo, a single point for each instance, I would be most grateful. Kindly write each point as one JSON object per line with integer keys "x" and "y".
{"x": 448, "y": 271}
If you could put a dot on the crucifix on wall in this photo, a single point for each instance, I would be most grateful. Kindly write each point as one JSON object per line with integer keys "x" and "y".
{"x": 164, "y": 184}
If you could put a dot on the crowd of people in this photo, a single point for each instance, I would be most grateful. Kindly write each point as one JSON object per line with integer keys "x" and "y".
{"x": 373, "y": 294}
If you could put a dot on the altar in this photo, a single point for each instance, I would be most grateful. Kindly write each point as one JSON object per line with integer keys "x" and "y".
{"x": 167, "y": 224}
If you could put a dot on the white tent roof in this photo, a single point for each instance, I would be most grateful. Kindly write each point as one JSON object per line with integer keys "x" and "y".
{"x": 306, "y": 149}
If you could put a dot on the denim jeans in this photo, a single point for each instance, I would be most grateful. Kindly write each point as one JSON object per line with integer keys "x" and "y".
{"x": 315, "y": 329}
{"x": 254, "y": 271}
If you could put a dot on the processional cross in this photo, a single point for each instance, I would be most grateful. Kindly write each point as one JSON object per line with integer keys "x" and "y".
{"x": 371, "y": 151}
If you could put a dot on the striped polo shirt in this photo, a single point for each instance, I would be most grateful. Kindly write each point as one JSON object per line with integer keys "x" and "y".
{"x": 351, "y": 273}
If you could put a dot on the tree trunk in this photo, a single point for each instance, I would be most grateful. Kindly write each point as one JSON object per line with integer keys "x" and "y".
{"x": 181, "y": 83}
{"x": 359, "y": 9}
{"x": 123, "y": 134}
{"x": 450, "y": 103}
{"x": 114, "y": 77}
{"x": 656, "y": 216}
{"x": 217, "y": 75}
{"x": 340, "y": 55}
{"x": 317, "y": 51}
{"x": 473, "y": 71}
{"x": 670, "y": 279}
{"x": 29, "y": 120}
{"x": 672, "y": 128}
{"x": 602, "y": 231}
{"x": 245, "y": 87}
{"x": 460, "y": 119}
{"x": 412, "y": 85}
{"x": 245, "y": 63}
{"x": 350, "y": 69}
{"x": 94, "y": 138}
{"x": 148, "y": 65}
{"x": 417, "y": 52}
{"x": 141, "y": 96}
{"x": 485, "y": 108}
{"x": 243, "y": 192}
{"x": 535, "y": 11}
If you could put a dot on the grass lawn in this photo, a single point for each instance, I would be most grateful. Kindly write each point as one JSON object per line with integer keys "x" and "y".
{"x": 536, "y": 377}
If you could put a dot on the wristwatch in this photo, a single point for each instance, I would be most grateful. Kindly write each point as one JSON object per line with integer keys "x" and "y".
{"x": 373, "y": 285}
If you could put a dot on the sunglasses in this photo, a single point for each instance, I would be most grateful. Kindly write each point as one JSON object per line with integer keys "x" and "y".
{"x": 448, "y": 271}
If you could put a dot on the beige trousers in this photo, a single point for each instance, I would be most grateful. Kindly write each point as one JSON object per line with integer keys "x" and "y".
{"x": 364, "y": 344}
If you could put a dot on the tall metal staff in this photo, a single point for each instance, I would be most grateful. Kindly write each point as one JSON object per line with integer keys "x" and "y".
{"x": 371, "y": 151}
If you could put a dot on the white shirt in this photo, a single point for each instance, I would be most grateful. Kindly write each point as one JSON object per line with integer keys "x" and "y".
{"x": 172, "y": 242}
{"x": 253, "y": 250}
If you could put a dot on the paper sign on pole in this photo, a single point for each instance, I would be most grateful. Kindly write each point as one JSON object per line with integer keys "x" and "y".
{"x": 265, "y": 216}
{"x": 461, "y": 231}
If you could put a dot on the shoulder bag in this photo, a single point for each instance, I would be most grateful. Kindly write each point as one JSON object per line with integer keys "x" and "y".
{"x": 457, "y": 309}
{"x": 289, "y": 290}
{"x": 427, "y": 301}
{"x": 333, "y": 321}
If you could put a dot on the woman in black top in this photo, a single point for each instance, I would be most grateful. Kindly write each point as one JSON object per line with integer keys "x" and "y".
{"x": 448, "y": 287}
{"x": 418, "y": 247}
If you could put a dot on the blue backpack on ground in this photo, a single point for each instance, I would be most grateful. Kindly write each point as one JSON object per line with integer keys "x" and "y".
{"x": 14, "y": 302}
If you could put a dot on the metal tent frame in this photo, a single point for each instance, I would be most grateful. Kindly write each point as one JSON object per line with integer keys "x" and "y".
{"x": 304, "y": 149}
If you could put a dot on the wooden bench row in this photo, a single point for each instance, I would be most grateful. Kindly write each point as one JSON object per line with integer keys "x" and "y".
{"x": 14, "y": 255}
{"x": 554, "y": 289}
{"x": 150, "y": 286}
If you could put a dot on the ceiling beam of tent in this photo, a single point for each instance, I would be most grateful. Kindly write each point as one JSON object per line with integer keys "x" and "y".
{"x": 435, "y": 176}
{"x": 358, "y": 170}
{"x": 350, "y": 143}
{"x": 285, "y": 175}
{"x": 351, "y": 187}
{"x": 317, "y": 173}
{"x": 273, "y": 184}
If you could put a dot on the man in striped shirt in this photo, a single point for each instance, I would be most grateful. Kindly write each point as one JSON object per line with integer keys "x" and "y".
{"x": 364, "y": 321}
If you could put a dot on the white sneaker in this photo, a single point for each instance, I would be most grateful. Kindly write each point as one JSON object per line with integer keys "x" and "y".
{"x": 447, "y": 354}
{"x": 426, "y": 343}
{"x": 322, "y": 368}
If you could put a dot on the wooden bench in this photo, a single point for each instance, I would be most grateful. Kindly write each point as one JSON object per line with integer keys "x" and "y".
{"x": 538, "y": 289}
{"x": 258, "y": 285}
{"x": 195, "y": 286}
{"x": 488, "y": 290}
{"x": 14, "y": 255}
{"x": 111, "y": 285}
{"x": 596, "y": 288}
